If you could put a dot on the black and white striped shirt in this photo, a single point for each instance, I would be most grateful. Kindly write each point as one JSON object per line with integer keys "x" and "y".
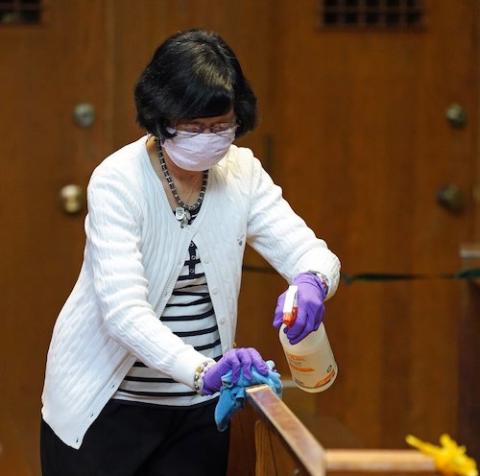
{"x": 190, "y": 315}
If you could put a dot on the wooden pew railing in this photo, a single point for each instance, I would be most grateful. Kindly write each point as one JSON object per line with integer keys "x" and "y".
{"x": 284, "y": 446}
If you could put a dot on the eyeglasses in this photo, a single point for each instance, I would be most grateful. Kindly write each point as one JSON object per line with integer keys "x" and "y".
{"x": 220, "y": 128}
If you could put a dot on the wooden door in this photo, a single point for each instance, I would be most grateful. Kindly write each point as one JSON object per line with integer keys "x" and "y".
{"x": 361, "y": 147}
{"x": 81, "y": 51}
{"x": 46, "y": 68}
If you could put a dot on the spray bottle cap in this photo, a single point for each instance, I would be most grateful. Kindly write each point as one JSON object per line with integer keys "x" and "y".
{"x": 290, "y": 306}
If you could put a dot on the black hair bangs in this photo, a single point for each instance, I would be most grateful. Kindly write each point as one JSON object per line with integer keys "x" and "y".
{"x": 205, "y": 85}
{"x": 200, "y": 100}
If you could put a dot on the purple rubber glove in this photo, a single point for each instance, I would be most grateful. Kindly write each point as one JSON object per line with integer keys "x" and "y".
{"x": 236, "y": 360}
{"x": 310, "y": 297}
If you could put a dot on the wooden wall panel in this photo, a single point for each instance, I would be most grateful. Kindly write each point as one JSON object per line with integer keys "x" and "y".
{"x": 46, "y": 70}
{"x": 363, "y": 146}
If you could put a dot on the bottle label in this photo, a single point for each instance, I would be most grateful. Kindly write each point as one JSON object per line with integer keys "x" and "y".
{"x": 311, "y": 372}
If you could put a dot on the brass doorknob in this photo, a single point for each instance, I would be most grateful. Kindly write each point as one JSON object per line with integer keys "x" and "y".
{"x": 72, "y": 198}
{"x": 456, "y": 115}
{"x": 84, "y": 114}
{"x": 451, "y": 198}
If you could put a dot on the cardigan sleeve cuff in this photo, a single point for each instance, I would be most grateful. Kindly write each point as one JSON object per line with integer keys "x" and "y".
{"x": 186, "y": 363}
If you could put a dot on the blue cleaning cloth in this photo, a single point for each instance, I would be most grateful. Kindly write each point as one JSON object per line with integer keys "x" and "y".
{"x": 232, "y": 396}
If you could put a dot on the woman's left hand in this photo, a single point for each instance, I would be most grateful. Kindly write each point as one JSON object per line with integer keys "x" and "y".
{"x": 310, "y": 308}
{"x": 238, "y": 361}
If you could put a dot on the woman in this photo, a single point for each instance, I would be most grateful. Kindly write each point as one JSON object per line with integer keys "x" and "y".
{"x": 140, "y": 346}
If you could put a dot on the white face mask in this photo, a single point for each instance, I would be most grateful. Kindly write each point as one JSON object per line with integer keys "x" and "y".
{"x": 198, "y": 152}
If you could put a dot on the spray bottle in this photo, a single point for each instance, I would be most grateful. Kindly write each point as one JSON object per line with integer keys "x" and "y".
{"x": 311, "y": 360}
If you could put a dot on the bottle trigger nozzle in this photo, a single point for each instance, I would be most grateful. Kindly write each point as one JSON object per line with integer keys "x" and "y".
{"x": 290, "y": 306}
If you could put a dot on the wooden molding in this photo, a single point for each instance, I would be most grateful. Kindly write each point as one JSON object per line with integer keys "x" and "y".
{"x": 285, "y": 447}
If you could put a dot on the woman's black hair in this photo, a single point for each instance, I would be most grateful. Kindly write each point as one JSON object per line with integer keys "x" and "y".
{"x": 193, "y": 74}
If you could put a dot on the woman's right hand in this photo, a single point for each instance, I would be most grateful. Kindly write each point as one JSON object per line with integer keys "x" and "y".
{"x": 236, "y": 360}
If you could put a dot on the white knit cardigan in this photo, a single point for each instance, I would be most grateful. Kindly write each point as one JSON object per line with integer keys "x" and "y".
{"x": 134, "y": 252}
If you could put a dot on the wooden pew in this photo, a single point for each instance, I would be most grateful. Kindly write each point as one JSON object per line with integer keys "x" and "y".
{"x": 285, "y": 447}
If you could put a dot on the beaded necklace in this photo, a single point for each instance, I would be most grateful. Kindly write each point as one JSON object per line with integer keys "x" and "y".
{"x": 183, "y": 211}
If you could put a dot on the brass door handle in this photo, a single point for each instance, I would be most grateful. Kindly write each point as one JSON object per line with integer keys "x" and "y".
{"x": 72, "y": 198}
{"x": 456, "y": 115}
{"x": 451, "y": 197}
